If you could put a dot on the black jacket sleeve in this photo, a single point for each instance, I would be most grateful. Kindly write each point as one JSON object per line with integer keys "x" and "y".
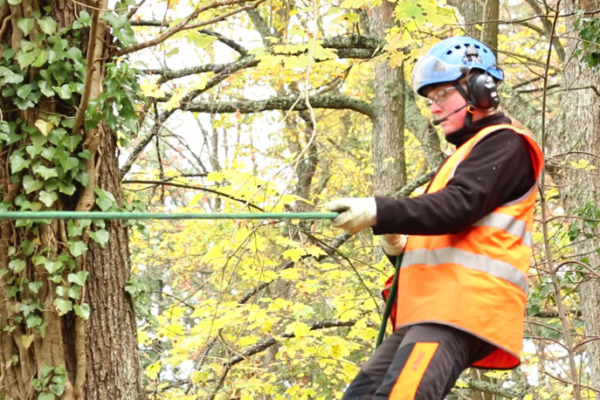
{"x": 497, "y": 170}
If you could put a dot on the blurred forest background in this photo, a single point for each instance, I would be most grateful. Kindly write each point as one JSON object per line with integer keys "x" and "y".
{"x": 266, "y": 106}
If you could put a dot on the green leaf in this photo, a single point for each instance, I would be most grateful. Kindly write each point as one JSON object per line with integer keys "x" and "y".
{"x": 46, "y": 89}
{"x": 48, "y": 198}
{"x": 32, "y": 321}
{"x": 47, "y": 25}
{"x": 66, "y": 188}
{"x": 46, "y": 369}
{"x": 27, "y": 46}
{"x": 48, "y": 153}
{"x": 74, "y": 292}
{"x": 74, "y": 230}
{"x": 45, "y": 172}
{"x": 79, "y": 278}
{"x": 100, "y": 237}
{"x": 61, "y": 290}
{"x": 41, "y": 59}
{"x": 86, "y": 154}
{"x": 28, "y": 247}
{"x": 77, "y": 248}
{"x": 34, "y": 287}
{"x": 62, "y": 306}
{"x": 58, "y": 389}
{"x": 24, "y": 90}
{"x": 68, "y": 163}
{"x": 31, "y": 184}
{"x": 83, "y": 178}
{"x": 12, "y": 291}
{"x": 17, "y": 162}
{"x": 14, "y": 2}
{"x": 25, "y": 59}
{"x": 44, "y": 127}
{"x": 17, "y": 265}
{"x": 82, "y": 311}
{"x": 23, "y": 104}
{"x": 63, "y": 91}
{"x": 71, "y": 142}
{"x": 25, "y": 24}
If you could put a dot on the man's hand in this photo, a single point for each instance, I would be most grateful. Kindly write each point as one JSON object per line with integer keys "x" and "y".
{"x": 356, "y": 213}
{"x": 393, "y": 244}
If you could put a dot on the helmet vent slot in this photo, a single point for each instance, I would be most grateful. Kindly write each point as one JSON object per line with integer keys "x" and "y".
{"x": 457, "y": 47}
{"x": 449, "y": 52}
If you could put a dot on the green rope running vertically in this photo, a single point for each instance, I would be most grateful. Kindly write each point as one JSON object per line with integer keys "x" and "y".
{"x": 390, "y": 301}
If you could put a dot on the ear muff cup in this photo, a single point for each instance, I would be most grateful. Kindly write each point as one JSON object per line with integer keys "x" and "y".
{"x": 483, "y": 92}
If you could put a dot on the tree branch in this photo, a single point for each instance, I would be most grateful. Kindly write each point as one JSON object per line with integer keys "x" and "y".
{"x": 283, "y": 103}
{"x": 89, "y": 73}
{"x": 487, "y": 387}
{"x": 184, "y": 24}
{"x": 194, "y": 187}
{"x": 226, "y": 41}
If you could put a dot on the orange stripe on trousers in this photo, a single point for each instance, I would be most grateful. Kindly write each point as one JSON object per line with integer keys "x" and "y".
{"x": 410, "y": 378}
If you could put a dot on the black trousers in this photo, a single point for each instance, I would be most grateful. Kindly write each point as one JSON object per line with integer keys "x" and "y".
{"x": 421, "y": 362}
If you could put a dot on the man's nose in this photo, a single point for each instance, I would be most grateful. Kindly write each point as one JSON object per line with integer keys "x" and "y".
{"x": 435, "y": 107}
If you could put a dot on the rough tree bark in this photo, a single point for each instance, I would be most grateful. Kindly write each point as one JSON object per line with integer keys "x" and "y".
{"x": 388, "y": 121}
{"x": 94, "y": 358}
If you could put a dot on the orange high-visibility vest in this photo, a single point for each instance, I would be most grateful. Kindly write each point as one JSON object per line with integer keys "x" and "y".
{"x": 476, "y": 280}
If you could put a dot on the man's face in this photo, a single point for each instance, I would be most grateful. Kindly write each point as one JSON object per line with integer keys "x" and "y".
{"x": 445, "y": 99}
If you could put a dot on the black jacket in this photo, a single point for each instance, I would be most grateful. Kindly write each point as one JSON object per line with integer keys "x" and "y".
{"x": 497, "y": 170}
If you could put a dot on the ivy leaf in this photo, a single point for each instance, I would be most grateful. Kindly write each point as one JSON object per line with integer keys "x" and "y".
{"x": 58, "y": 389}
{"x": 74, "y": 292}
{"x": 66, "y": 188}
{"x": 71, "y": 142}
{"x": 17, "y": 265}
{"x": 79, "y": 278}
{"x": 41, "y": 58}
{"x": 68, "y": 163}
{"x": 100, "y": 237}
{"x": 77, "y": 248}
{"x": 26, "y": 340}
{"x": 32, "y": 321}
{"x": 34, "y": 287}
{"x": 63, "y": 91}
{"x": 17, "y": 162}
{"x": 74, "y": 230}
{"x": 48, "y": 153}
{"x": 30, "y": 184}
{"x": 47, "y": 25}
{"x": 62, "y": 306}
{"x": 83, "y": 311}
{"x": 28, "y": 247}
{"x": 45, "y": 172}
{"x": 46, "y": 89}
{"x": 61, "y": 290}
{"x": 44, "y": 127}
{"x": 48, "y": 198}
{"x": 25, "y": 59}
{"x": 25, "y": 24}
{"x": 14, "y": 2}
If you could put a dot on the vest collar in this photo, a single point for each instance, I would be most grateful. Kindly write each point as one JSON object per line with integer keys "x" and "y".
{"x": 459, "y": 137}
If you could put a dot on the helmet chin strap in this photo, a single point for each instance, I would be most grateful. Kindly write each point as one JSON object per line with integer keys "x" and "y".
{"x": 470, "y": 107}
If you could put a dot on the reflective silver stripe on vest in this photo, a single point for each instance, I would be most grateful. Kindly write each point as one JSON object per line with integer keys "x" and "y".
{"x": 499, "y": 269}
{"x": 508, "y": 224}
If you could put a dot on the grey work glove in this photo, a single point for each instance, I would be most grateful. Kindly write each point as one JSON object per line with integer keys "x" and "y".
{"x": 393, "y": 244}
{"x": 356, "y": 214}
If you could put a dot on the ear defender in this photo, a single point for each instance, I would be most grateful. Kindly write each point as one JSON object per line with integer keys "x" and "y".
{"x": 484, "y": 92}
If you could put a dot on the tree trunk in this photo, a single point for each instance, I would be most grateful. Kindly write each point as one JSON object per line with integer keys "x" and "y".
{"x": 68, "y": 326}
{"x": 578, "y": 129}
{"x": 388, "y": 123}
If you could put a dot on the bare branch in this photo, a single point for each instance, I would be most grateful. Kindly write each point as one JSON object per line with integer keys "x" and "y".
{"x": 184, "y": 24}
{"x": 226, "y": 41}
{"x": 283, "y": 103}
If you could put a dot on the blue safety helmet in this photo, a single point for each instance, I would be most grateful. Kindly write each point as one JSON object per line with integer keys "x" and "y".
{"x": 452, "y": 58}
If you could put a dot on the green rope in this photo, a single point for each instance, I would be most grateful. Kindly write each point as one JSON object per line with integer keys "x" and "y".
{"x": 38, "y": 215}
{"x": 390, "y": 301}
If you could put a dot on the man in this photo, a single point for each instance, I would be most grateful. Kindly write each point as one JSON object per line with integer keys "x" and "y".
{"x": 463, "y": 278}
